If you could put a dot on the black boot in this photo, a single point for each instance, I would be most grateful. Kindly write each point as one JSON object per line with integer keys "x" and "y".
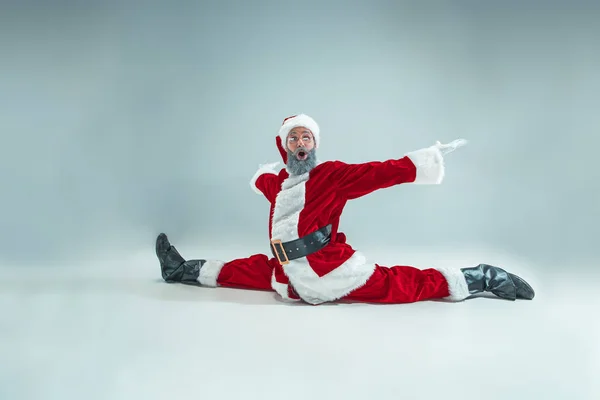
{"x": 487, "y": 278}
{"x": 173, "y": 266}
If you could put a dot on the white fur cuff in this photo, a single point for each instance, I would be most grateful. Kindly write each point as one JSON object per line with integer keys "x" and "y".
{"x": 263, "y": 169}
{"x": 281, "y": 289}
{"x": 430, "y": 165}
{"x": 457, "y": 284}
{"x": 210, "y": 272}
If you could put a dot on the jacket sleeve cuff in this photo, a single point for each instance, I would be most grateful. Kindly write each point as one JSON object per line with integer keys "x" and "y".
{"x": 429, "y": 163}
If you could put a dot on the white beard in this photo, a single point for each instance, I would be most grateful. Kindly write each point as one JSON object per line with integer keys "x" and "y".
{"x": 300, "y": 167}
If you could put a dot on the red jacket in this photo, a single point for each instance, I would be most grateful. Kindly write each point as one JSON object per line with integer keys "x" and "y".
{"x": 302, "y": 204}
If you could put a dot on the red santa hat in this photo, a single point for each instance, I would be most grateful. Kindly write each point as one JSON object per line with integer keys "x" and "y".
{"x": 293, "y": 122}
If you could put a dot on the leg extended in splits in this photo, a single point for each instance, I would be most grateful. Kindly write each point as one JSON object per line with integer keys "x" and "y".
{"x": 254, "y": 272}
{"x": 397, "y": 284}
{"x": 407, "y": 284}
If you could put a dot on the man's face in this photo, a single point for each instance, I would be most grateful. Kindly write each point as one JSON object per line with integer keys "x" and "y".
{"x": 301, "y": 151}
{"x": 300, "y": 139}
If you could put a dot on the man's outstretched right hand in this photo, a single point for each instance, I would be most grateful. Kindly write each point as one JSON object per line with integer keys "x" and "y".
{"x": 450, "y": 147}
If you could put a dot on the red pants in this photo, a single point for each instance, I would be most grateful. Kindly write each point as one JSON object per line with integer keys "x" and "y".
{"x": 397, "y": 284}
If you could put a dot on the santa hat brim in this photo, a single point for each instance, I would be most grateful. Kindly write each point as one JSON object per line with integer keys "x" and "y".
{"x": 296, "y": 121}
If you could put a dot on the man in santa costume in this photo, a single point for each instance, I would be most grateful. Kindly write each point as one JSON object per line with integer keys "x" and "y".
{"x": 310, "y": 260}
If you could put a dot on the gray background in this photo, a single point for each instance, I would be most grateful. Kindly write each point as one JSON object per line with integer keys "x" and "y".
{"x": 121, "y": 119}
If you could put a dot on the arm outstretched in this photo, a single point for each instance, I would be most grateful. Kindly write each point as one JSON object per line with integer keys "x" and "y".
{"x": 424, "y": 166}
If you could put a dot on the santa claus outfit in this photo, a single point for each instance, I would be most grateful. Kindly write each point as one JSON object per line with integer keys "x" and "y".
{"x": 311, "y": 260}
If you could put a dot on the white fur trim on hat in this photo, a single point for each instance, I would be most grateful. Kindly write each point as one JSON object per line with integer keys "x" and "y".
{"x": 299, "y": 120}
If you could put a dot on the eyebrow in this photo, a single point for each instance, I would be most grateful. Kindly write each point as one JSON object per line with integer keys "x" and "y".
{"x": 302, "y": 132}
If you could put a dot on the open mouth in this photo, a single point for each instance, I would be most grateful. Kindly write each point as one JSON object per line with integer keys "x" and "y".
{"x": 302, "y": 155}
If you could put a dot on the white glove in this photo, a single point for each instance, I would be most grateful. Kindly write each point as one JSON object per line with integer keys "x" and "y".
{"x": 450, "y": 147}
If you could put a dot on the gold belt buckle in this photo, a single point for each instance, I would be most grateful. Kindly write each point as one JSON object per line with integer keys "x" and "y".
{"x": 278, "y": 242}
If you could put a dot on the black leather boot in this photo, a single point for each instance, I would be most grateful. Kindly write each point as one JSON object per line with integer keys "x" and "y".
{"x": 487, "y": 278}
{"x": 173, "y": 266}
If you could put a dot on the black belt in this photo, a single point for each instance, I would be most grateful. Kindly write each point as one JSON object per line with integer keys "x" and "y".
{"x": 284, "y": 252}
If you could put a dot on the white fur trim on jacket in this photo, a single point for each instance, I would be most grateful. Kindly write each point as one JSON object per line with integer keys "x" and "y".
{"x": 210, "y": 272}
{"x": 457, "y": 284}
{"x": 263, "y": 169}
{"x": 350, "y": 275}
{"x": 430, "y": 165}
{"x": 281, "y": 288}
{"x": 300, "y": 120}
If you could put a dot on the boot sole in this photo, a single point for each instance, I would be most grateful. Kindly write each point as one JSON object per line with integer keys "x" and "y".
{"x": 521, "y": 282}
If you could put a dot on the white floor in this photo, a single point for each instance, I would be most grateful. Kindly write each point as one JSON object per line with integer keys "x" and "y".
{"x": 115, "y": 331}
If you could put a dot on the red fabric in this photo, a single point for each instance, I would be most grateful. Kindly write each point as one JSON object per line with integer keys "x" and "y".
{"x": 281, "y": 149}
{"x": 253, "y": 272}
{"x": 302, "y": 205}
{"x": 401, "y": 284}
{"x": 330, "y": 186}
{"x": 398, "y": 284}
